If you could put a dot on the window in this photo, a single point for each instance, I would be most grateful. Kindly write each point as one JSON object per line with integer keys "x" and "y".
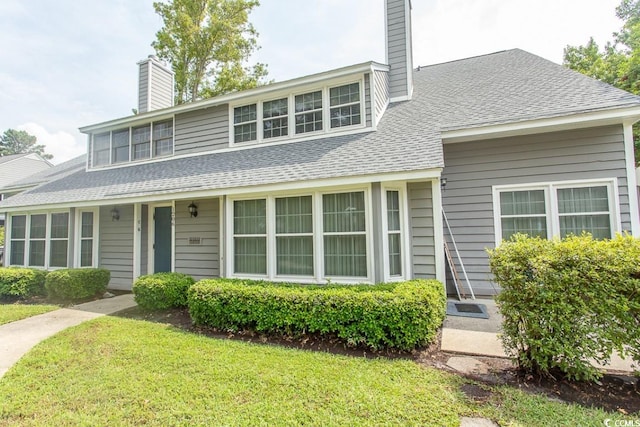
{"x": 18, "y": 239}
{"x": 557, "y": 209}
{"x": 245, "y": 123}
{"x": 250, "y": 236}
{"x": 101, "y": 144}
{"x": 308, "y": 109}
{"x": 120, "y": 144}
{"x": 86, "y": 239}
{"x": 163, "y": 138}
{"x": 141, "y": 142}
{"x": 37, "y": 239}
{"x": 345, "y": 105}
{"x": 294, "y": 236}
{"x": 275, "y": 118}
{"x": 394, "y": 238}
{"x": 59, "y": 239}
{"x": 345, "y": 243}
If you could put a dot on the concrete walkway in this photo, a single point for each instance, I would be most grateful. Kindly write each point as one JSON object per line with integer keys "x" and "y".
{"x": 17, "y": 338}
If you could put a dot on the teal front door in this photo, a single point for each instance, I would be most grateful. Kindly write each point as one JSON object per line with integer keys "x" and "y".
{"x": 162, "y": 240}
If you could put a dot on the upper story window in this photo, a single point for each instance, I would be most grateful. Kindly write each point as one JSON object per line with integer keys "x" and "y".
{"x": 133, "y": 143}
{"x": 260, "y": 121}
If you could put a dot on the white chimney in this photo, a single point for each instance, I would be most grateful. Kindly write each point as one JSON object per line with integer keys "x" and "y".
{"x": 399, "y": 51}
{"x": 155, "y": 85}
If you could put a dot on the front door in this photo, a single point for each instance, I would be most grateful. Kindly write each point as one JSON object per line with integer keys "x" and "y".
{"x": 162, "y": 240}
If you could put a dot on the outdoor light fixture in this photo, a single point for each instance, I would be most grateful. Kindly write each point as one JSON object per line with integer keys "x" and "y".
{"x": 193, "y": 210}
{"x": 443, "y": 183}
{"x": 115, "y": 214}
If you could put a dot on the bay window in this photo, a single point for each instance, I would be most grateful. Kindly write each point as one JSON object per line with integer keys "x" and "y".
{"x": 556, "y": 209}
{"x": 39, "y": 240}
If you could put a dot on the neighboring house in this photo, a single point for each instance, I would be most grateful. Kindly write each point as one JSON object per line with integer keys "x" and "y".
{"x": 337, "y": 175}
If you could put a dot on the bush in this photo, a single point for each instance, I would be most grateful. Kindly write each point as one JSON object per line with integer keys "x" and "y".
{"x": 162, "y": 290}
{"x": 77, "y": 283}
{"x": 568, "y": 302}
{"x": 402, "y": 316}
{"x": 21, "y": 282}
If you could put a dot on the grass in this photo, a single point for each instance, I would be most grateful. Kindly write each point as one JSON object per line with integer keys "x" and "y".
{"x": 13, "y": 312}
{"x": 113, "y": 371}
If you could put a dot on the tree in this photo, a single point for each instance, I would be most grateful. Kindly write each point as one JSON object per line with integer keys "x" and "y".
{"x": 208, "y": 43}
{"x": 618, "y": 63}
{"x": 19, "y": 142}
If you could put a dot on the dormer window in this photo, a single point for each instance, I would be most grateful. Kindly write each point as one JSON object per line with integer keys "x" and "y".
{"x": 163, "y": 138}
{"x": 101, "y": 147}
{"x": 141, "y": 142}
{"x": 120, "y": 144}
{"x": 265, "y": 120}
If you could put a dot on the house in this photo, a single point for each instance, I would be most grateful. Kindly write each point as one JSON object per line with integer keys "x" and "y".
{"x": 16, "y": 167}
{"x": 339, "y": 175}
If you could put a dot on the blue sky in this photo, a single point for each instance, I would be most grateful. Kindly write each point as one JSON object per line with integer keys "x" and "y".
{"x": 69, "y": 63}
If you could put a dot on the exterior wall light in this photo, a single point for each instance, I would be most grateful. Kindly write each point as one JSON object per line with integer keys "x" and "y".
{"x": 193, "y": 210}
{"x": 443, "y": 183}
{"x": 115, "y": 214}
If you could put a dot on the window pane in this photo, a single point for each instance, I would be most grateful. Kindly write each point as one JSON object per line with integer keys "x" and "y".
{"x": 58, "y": 253}
{"x": 308, "y": 101}
{"x": 60, "y": 226}
{"x": 294, "y": 255}
{"x": 141, "y": 142}
{"x": 343, "y": 212}
{"x": 38, "y": 226}
{"x": 393, "y": 210}
{"x": 36, "y": 253}
{"x": 243, "y": 133}
{"x": 344, "y": 94}
{"x": 17, "y": 252}
{"x": 345, "y": 256}
{"x": 250, "y": 255}
{"x": 598, "y": 225}
{"x": 249, "y": 216}
{"x": 87, "y": 225}
{"x": 587, "y": 199}
{"x": 522, "y": 202}
{"x": 309, "y": 122}
{"x": 86, "y": 253}
{"x": 163, "y": 138}
{"x": 293, "y": 215}
{"x": 246, "y": 113}
{"x": 533, "y": 226}
{"x": 345, "y": 116}
{"x": 18, "y": 226}
{"x": 101, "y": 148}
{"x": 395, "y": 255}
{"x": 275, "y": 108}
{"x": 273, "y": 128}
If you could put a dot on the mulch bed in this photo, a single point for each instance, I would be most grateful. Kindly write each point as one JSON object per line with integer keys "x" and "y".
{"x": 617, "y": 392}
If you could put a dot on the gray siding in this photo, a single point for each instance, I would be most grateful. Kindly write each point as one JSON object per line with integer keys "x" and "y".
{"x": 202, "y": 130}
{"x": 367, "y": 99}
{"x": 398, "y": 16}
{"x": 473, "y": 167}
{"x": 116, "y": 246}
{"x": 143, "y": 87}
{"x": 381, "y": 88}
{"x": 420, "y": 203}
{"x": 203, "y": 260}
{"x": 161, "y": 90}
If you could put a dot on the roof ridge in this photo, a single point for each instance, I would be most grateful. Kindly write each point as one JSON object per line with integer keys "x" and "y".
{"x": 419, "y": 67}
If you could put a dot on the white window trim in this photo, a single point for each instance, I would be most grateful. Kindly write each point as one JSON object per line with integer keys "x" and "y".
{"x": 292, "y": 136}
{"x": 552, "y": 214}
{"x": 318, "y": 237}
{"x": 78, "y": 237}
{"x": 401, "y": 188}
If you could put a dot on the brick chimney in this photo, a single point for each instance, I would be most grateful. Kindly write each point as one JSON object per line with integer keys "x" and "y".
{"x": 155, "y": 85}
{"x": 399, "y": 51}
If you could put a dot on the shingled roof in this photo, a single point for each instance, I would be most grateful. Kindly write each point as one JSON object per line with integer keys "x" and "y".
{"x": 504, "y": 87}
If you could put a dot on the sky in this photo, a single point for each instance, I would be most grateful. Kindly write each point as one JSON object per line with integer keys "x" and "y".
{"x": 65, "y": 64}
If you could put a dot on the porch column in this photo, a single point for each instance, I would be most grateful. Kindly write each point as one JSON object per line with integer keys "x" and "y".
{"x": 137, "y": 239}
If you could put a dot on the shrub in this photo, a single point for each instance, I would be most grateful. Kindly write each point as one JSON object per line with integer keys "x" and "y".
{"x": 77, "y": 283}
{"x": 162, "y": 290}
{"x": 568, "y": 302}
{"x": 21, "y": 282}
{"x": 402, "y": 316}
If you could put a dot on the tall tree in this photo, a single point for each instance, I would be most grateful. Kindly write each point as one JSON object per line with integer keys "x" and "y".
{"x": 618, "y": 62}
{"x": 208, "y": 43}
{"x": 19, "y": 142}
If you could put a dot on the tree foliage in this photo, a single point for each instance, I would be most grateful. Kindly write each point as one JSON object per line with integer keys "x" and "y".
{"x": 208, "y": 43}
{"x": 19, "y": 142}
{"x": 618, "y": 62}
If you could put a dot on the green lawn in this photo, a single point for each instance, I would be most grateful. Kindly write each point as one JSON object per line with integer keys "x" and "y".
{"x": 13, "y": 312}
{"x": 114, "y": 371}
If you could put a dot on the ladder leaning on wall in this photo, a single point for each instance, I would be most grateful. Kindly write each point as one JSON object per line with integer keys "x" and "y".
{"x": 452, "y": 265}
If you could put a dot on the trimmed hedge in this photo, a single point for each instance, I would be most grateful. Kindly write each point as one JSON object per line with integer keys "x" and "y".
{"x": 77, "y": 283}
{"x": 162, "y": 290}
{"x": 567, "y": 302}
{"x": 21, "y": 282}
{"x": 402, "y": 316}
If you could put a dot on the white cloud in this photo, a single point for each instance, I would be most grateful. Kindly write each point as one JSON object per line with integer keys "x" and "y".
{"x": 62, "y": 145}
